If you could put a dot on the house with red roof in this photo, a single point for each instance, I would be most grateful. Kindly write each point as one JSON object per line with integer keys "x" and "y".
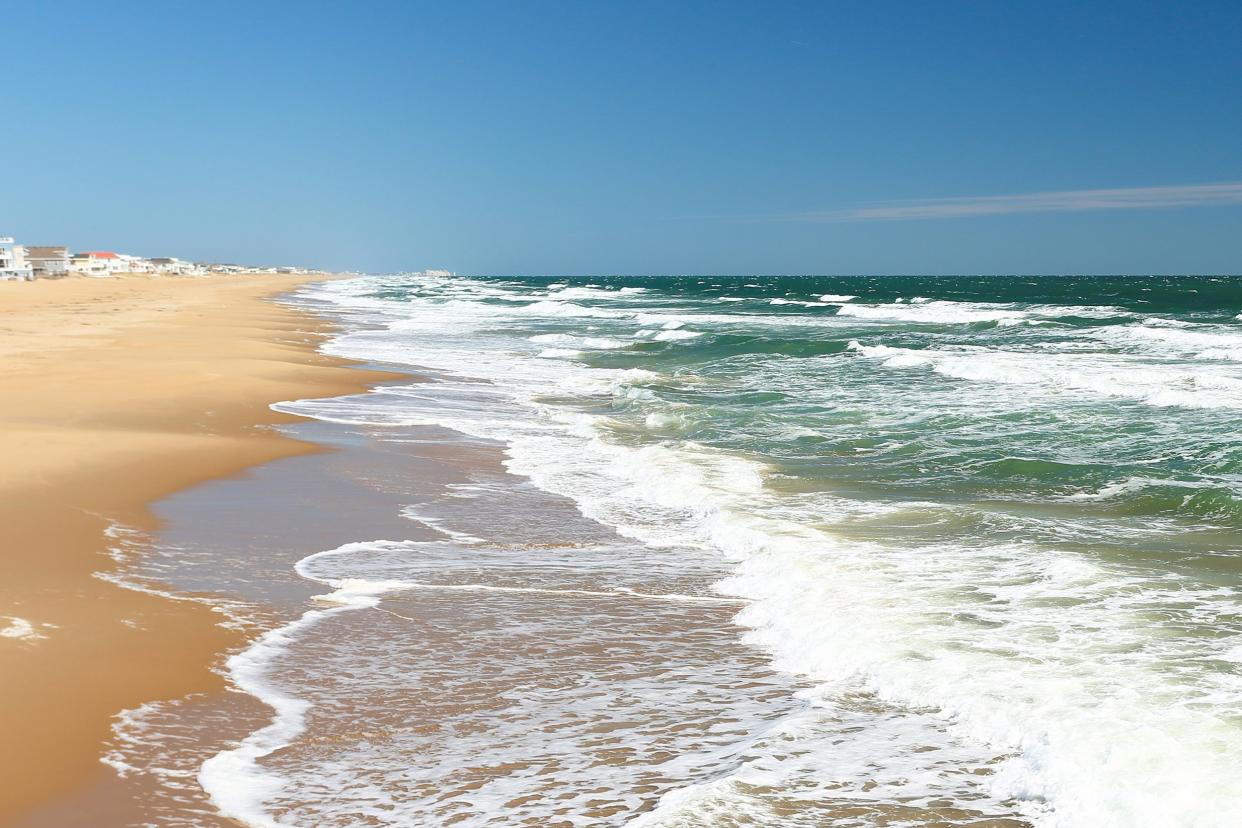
{"x": 97, "y": 263}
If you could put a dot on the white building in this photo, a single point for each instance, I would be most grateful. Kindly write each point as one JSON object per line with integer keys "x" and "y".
{"x": 175, "y": 266}
{"x": 135, "y": 264}
{"x": 13, "y": 264}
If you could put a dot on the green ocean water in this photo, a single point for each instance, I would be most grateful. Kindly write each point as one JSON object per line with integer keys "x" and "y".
{"x": 1108, "y": 403}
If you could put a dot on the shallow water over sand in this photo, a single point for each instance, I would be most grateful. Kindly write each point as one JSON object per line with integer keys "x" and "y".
{"x": 522, "y": 665}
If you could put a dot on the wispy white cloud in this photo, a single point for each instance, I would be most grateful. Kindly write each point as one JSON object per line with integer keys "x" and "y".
{"x": 1067, "y": 201}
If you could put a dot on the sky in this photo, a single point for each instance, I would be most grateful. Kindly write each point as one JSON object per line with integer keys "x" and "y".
{"x": 633, "y": 137}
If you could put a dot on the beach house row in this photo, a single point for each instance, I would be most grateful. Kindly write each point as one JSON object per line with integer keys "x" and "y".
{"x": 107, "y": 263}
{"x": 50, "y": 262}
{"x": 24, "y": 263}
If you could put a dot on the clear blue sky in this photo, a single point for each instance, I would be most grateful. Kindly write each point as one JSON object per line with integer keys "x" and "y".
{"x": 630, "y": 137}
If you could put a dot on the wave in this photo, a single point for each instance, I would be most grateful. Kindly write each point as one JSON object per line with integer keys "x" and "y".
{"x": 1101, "y": 375}
{"x": 935, "y": 312}
{"x": 1205, "y": 342}
{"x": 233, "y": 779}
{"x": 551, "y": 307}
{"x": 1149, "y": 497}
{"x": 675, "y": 335}
{"x": 594, "y": 343}
{"x": 825, "y": 609}
{"x": 584, "y": 293}
{"x": 779, "y": 301}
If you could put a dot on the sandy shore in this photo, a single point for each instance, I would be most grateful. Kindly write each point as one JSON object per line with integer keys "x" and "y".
{"x": 114, "y": 392}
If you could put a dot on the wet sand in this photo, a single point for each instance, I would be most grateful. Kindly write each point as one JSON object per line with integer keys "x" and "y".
{"x": 113, "y": 393}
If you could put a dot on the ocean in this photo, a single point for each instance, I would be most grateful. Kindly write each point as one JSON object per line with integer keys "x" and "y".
{"x": 732, "y": 551}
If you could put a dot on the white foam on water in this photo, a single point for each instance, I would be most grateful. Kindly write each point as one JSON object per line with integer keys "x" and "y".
{"x": 671, "y": 319}
{"x": 779, "y": 301}
{"x": 848, "y": 613}
{"x": 1101, "y": 374}
{"x": 596, "y": 343}
{"x": 862, "y": 761}
{"x": 550, "y": 307}
{"x": 935, "y": 312}
{"x": 1097, "y": 731}
{"x": 589, "y": 593}
{"x": 20, "y": 629}
{"x": 585, "y": 293}
{"x": 157, "y": 746}
{"x": 892, "y": 357}
{"x": 558, "y": 338}
{"x": 1116, "y": 489}
{"x": 438, "y": 525}
{"x": 1182, "y": 340}
{"x": 676, "y": 334}
{"x": 234, "y": 780}
{"x": 666, "y": 420}
{"x": 924, "y": 310}
{"x": 129, "y": 545}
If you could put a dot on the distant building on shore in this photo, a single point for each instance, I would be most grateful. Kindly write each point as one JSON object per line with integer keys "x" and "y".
{"x": 13, "y": 264}
{"x": 97, "y": 263}
{"x": 48, "y": 262}
{"x": 175, "y": 266}
{"x": 51, "y": 262}
{"x": 135, "y": 264}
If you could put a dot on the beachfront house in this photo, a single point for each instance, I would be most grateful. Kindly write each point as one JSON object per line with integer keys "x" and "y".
{"x": 135, "y": 264}
{"x": 48, "y": 262}
{"x": 174, "y": 266}
{"x": 97, "y": 263}
{"x": 227, "y": 268}
{"x": 13, "y": 264}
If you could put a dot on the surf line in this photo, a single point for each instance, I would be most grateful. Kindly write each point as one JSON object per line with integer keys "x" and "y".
{"x": 619, "y": 593}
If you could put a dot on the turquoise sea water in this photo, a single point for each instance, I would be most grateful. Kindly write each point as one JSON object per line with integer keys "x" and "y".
{"x": 988, "y": 524}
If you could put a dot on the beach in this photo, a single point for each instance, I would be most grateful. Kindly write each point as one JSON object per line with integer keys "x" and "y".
{"x": 669, "y": 552}
{"x": 115, "y": 392}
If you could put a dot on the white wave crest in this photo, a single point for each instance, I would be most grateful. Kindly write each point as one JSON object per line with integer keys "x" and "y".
{"x": 935, "y": 312}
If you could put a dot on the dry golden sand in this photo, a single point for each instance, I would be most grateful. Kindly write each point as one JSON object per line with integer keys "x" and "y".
{"x": 115, "y": 392}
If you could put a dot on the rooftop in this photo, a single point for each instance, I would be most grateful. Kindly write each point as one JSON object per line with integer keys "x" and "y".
{"x": 35, "y": 251}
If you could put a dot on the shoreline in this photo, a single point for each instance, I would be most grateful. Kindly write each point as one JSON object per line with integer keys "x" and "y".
{"x": 116, "y": 393}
